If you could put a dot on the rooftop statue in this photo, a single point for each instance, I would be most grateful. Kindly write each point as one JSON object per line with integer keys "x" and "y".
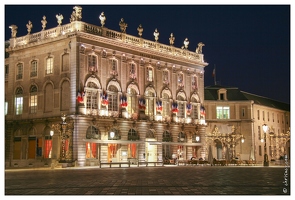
{"x": 123, "y": 25}
{"x": 171, "y": 39}
{"x": 156, "y": 34}
{"x": 186, "y": 43}
{"x": 76, "y": 14}
{"x": 102, "y": 18}
{"x": 29, "y": 27}
{"x": 140, "y": 30}
{"x": 199, "y": 48}
{"x": 44, "y": 22}
{"x": 13, "y": 30}
{"x": 59, "y": 19}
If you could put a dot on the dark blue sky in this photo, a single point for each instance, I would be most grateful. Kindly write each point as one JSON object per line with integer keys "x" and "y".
{"x": 248, "y": 44}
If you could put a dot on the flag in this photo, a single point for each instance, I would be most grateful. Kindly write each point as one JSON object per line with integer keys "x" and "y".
{"x": 213, "y": 73}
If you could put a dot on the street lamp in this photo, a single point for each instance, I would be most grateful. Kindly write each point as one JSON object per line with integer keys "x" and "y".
{"x": 265, "y": 161}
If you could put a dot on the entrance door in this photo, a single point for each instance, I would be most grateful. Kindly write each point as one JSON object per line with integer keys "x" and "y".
{"x": 150, "y": 151}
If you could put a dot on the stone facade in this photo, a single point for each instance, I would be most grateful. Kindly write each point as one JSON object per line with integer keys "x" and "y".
{"x": 88, "y": 74}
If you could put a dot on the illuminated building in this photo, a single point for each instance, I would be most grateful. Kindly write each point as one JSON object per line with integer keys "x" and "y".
{"x": 121, "y": 97}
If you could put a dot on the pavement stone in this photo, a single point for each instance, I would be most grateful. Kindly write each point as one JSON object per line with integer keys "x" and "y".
{"x": 162, "y": 180}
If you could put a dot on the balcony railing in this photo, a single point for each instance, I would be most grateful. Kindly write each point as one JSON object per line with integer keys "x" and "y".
{"x": 104, "y": 32}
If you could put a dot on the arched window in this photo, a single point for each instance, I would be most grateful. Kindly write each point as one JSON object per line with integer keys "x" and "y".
{"x": 195, "y": 114}
{"x": 19, "y": 101}
{"x": 33, "y": 99}
{"x": 93, "y": 133}
{"x": 150, "y": 133}
{"x": 181, "y": 137}
{"x": 132, "y": 135}
{"x": 167, "y": 136}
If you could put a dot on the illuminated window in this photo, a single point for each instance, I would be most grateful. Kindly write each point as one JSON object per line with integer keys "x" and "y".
{"x": 91, "y": 102}
{"x": 19, "y": 72}
{"x": 149, "y": 99}
{"x": 131, "y": 100}
{"x": 181, "y": 106}
{"x": 19, "y": 101}
{"x": 49, "y": 65}
{"x": 166, "y": 105}
{"x": 113, "y": 98}
{"x": 47, "y": 146}
{"x": 222, "y": 112}
{"x": 5, "y": 108}
{"x": 92, "y": 63}
{"x": 149, "y": 73}
{"x": 91, "y": 150}
{"x": 34, "y": 68}
{"x": 33, "y": 99}
{"x": 166, "y": 77}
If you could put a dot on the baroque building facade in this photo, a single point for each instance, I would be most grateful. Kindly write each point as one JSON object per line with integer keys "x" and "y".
{"x": 82, "y": 94}
{"x": 235, "y": 122}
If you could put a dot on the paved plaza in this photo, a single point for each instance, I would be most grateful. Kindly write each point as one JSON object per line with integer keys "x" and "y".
{"x": 162, "y": 180}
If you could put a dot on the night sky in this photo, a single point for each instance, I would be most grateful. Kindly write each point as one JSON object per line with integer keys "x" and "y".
{"x": 248, "y": 44}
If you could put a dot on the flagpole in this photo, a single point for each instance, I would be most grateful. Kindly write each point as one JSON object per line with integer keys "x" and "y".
{"x": 214, "y": 74}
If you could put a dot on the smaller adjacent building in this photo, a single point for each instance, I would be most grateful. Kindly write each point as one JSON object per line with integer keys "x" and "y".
{"x": 234, "y": 125}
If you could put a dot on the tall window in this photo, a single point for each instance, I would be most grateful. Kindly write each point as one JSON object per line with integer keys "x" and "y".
{"x": 91, "y": 150}
{"x": 132, "y": 100}
{"x": 149, "y": 72}
{"x": 19, "y": 72}
{"x": 92, "y": 63}
{"x": 149, "y": 99}
{"x": 166, "y": 77}
{"x": 180, "y": 81}
{"x": 33, "y": 99}
{"x": 47, "y": 144}
{"x": 259, "y": 133}
{"x": 166, "y": 105}
{"x": 6, "y": 70}
{"x": 49, "y": 65}
{"x": 5, "y": 108}
{"x": 258, "y": 114}
{"x": 91, "y": 102}
{"x": 34, "y": 68}
{"x": 18, "y": 101}
{"x": 114, "y": 68}
{"x": 181, "y": 106}
{"x": 222, "y": 112}
{"x": 194, "y": 82}
{"x": 132, "y": 71}
{"x": 113, "y": 98}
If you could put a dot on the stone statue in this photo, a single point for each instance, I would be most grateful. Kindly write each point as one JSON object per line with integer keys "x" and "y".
{"x": 186, "y": 43}
{"x": 156, "y": 34}
{"x": 59, "y": 19}
{"x": 140, "y": 30}
{"x": 76, "y": 14}
{"x": 13, "y": 30}
{"x": 44, "y": 22}
{"x": 123, "y": 25}
{"x": 171, "y": 39}
{"x": 29, "y": 27}
{"x": 102, "y": 18}
{"x": 199, "y": 48}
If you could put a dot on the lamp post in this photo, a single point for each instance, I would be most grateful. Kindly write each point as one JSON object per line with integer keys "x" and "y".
{"x": 265, "y": 160}
{"x": 65, "y": 130}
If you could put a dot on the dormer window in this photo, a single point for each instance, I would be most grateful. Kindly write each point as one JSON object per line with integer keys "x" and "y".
{"x": 222, "y": 95}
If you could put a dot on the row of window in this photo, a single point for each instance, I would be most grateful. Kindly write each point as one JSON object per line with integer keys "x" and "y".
{"x": 272, "y": 117}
